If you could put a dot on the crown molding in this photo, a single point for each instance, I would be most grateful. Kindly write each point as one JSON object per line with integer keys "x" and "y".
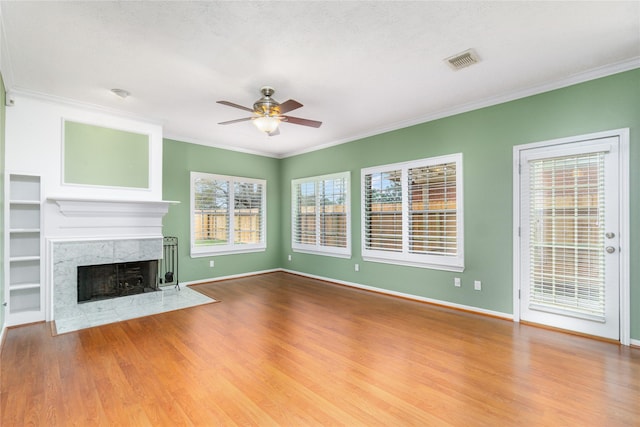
{"x": 582, "y": 77}
{"x": 189, "y": 140}
{"x": 592, "y": 74}
{"x": 87, "y": 106}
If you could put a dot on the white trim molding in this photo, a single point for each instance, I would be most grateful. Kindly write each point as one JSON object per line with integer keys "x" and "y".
{"x": 73, "y": 103}
{"x": 231, "y": 276}
{"x": 581, "y": 77}
{"x": 3, "y": 333}
{"x": 441, "y": 303}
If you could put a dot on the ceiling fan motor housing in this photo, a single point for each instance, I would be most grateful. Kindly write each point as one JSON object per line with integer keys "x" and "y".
{"x": 267, "y": 106}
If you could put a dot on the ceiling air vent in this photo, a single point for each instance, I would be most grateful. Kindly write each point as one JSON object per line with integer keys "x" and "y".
{"x": 463, "y": 59}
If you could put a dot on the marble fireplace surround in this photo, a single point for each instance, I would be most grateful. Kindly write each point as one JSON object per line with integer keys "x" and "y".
{"x": 68, "y": 255}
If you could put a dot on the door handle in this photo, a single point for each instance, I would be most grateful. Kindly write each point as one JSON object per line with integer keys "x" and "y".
{"x": 610, "y": 249}
{"x": 610, "y": 235}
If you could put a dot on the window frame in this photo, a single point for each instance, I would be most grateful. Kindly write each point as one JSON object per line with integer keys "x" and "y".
{"x": 404, "y": 257}
{"x": 231, "y": 247}
{"x": 318, "y": 248}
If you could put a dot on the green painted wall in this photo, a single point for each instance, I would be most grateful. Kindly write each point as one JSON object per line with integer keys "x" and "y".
{"x": 95, "y": 155}
{"x": 2, "y": 168}
{"x": 486, "y": 138}
{"x": 179, "y": 159}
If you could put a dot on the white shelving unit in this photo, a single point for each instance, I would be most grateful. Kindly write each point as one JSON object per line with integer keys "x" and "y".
{"x": 24, "y": 292}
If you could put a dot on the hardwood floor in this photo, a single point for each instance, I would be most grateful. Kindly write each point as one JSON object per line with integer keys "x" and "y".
{"x": 281, "y": 349}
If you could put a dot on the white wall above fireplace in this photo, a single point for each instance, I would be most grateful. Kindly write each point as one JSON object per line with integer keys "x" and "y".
{"x": 39, "y": 150}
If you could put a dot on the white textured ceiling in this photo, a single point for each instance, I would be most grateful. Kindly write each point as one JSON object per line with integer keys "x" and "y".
{"x": 359, "y": 67}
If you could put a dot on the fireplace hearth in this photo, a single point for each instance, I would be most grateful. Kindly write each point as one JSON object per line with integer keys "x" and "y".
{"x": 105, "y": 281}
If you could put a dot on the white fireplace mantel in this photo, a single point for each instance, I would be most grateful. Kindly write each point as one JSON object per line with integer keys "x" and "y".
{"x": 83, "y": 217}
{"x": 77, "y": 207}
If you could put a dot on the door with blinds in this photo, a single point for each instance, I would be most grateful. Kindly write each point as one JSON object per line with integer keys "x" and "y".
{"x": 569, "y": 226}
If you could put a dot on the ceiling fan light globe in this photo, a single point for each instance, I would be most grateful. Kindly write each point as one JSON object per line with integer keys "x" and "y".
{"x": 266, "y": 124}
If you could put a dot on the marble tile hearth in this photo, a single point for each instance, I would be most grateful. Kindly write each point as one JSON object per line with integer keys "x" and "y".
{"x": 130, "y": 307}
{"x": 68, "y": 255}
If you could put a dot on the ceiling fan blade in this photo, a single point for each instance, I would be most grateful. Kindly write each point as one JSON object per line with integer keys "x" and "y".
{"x": 231, "y": 104}
{"x": 289, "y": 105}
{"x": 230, "y": 122}
{"x": 275, "y": 132}
{"x": 303, "y": 122}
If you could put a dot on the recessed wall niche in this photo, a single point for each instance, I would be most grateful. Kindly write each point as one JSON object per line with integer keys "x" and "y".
{"x": 100, "y": 156}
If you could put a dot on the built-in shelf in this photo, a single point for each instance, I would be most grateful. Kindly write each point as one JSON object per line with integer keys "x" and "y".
{"x": 25, "y": 202}
{"x": 24, "y": 230}
{"x": 24, "y": 258}
{"x": 23, "y": 246}
{"x": 17, "y": 287}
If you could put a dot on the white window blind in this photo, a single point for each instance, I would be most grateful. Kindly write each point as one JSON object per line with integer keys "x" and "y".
{"x": 321, "y": 215}
{"x": 211, "y": 208}
{"x": 412, "y": 213}
{"x": 248, "y": 203}
{"x": 383, "y": 207}
{"x": 228, "y": 214}
{"x": 305, "y": 213}
{"x": 567, "y": 234}
{"x": 432, "y": 210}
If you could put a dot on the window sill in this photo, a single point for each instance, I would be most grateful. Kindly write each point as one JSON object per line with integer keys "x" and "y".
{"x": 406, "y": 263}
{"x": 323, "y": 253}
{"x": 208, "y": 253}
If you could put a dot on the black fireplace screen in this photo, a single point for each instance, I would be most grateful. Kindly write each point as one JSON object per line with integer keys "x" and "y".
{"x": 97, "y": 282}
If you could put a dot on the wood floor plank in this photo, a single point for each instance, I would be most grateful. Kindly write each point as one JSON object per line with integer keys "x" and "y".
{"x": 287, "y": 350}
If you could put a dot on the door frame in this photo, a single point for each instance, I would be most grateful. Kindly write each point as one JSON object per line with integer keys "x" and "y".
{"x": 623, "y": 181}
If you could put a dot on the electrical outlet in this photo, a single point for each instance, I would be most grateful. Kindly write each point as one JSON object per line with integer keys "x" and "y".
{"x": 477, "y": 285}
{"x": 456, "y": 282}
{"x": 357, "y": 267}
{"x": 289, "y": 257}
{"x": 212, "y": 263}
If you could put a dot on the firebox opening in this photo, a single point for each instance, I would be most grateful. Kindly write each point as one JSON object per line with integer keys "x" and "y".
{"x": 98, "y": 282}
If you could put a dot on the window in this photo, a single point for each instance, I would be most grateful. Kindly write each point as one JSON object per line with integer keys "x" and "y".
{"x": 320, "y": 215}
{"x": 412, "y": 213}
{"x": 227, "y": 214}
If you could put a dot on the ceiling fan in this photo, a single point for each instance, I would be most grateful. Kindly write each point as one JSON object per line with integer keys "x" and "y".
{"x": 269, "y": 113}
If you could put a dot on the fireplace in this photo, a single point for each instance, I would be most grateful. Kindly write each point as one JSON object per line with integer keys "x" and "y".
{"x": 92, "y": 232}
{"x": 104, "y": 281}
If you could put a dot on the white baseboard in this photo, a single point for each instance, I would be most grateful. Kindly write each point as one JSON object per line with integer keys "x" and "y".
{"x": 233, "y": 276}
{"x": 408, "y": 296}
{"x": 2, "y": 333}
{"x": 499, "y": 314}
